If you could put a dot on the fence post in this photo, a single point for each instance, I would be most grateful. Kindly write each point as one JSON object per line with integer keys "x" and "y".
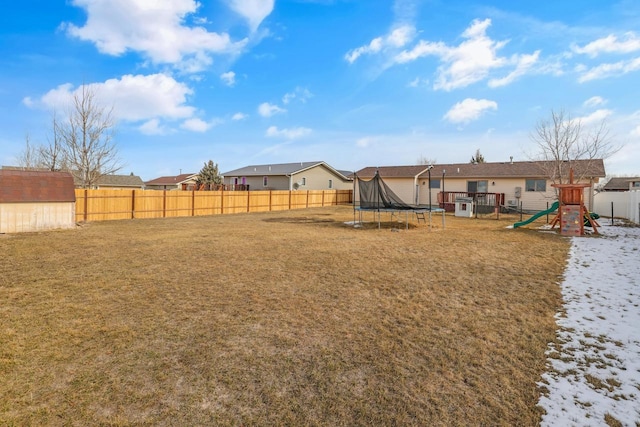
{"x": 611, "y": 213}
{"x": 193, "y": 202}
{"x": 289, "y": 199}
{"x": 547, "y": 213}
{"x": 270, "y": 200}
{"x": 323, "y": 198}
{"x": 248, "y": 201}
{"x": 133, "y": 204}
{"x": 85, "y": 204}
{"x": 307, "y": 202}
{"x": 222, "y": 201}
{"x": 164, "y": 203}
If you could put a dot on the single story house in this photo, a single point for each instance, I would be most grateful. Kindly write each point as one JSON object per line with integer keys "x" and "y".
{"x": 36, "y": 200}
{"x": 184, "y": 181}
{"x": 288, "y": 176}
{"x": 622, "y": 184}
{"x": 512, "y": 182}
{"x": 118, "y": 182}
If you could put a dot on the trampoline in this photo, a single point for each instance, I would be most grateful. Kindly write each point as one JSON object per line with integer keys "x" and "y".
{"x": 377, "y": 197}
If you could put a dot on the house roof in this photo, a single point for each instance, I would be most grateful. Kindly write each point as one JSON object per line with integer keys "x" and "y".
{"x": 171, "y": 180}
{"x": 279, "y": 169}
{"x": 29, "y": 186}
{"x": 530, "y": 169}
{"x": 620, "y": 183}
{"x": 120, "y": 181}
{"x": 392, "y": 171}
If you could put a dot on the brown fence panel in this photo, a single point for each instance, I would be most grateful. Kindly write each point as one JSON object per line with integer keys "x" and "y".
{"x": 260, "y": 201}
{"x": 298, "y": 200}
{"x": 148, "y": 204}
{"x": 280, "y": 200}
{"x": 236, "y": 202}
{"x": 207, "y": 203}
{"x": 80, "y": 205}
{"x": 103, "y": 205}
{"x": 315, "y": 198}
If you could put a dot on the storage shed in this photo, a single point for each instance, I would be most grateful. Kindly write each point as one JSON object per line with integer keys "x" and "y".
{"x": 36, "y": 201}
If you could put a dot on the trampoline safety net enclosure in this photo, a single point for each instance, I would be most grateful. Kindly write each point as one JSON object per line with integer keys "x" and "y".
{"x": 375, "y": 195}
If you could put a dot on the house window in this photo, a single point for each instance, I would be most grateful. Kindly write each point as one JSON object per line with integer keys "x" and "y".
{"x": 265, "y": 181}
{"x": 636, "y": 184}
{"x": 235, "y": 181}
{"x": 535, "y": 185}
{"x": 435, "y": 183}
{"x": 330, "y": 183}
{"x": 477, "y": 186}
{"x": 304, "y": 181}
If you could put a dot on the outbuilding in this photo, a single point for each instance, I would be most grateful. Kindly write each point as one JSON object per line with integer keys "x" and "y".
{"x": 36, "y": 200}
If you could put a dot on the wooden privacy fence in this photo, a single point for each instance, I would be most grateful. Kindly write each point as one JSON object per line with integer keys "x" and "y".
{"x": 104, "y": 205}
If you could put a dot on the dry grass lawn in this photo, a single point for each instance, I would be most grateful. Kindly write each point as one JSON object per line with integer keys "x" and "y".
{"x": 280, "y": 318}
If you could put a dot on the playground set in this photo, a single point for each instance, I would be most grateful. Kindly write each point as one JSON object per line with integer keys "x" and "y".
{"x": 572, "y": 214}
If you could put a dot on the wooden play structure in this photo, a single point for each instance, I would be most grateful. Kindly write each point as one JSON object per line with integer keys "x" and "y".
{"x": 572, "y": 212}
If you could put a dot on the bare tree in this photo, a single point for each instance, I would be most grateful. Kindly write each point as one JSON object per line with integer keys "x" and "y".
{"x": 29, "y": 158}
{"x": 423, "y": 160}
{"x": 562, "y": 140}
{"x": 86, "y": 138}
{"x": 52, "y": 156}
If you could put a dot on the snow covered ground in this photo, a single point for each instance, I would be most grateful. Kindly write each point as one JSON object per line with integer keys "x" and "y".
{"x": 593, "y": 377}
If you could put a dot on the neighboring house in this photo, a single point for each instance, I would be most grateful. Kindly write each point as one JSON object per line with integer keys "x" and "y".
{"x": 622, "y": 184}
{"x": 185, "y": 181}
{"x": 36, "y": 201}
{"x": 117, "y": 182}
{"x": 289, "y": 176}
{"x": 515, "y": 182}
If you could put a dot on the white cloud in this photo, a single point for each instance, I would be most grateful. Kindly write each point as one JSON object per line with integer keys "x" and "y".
{"x": 397, "y": 38}
{"x": 636, "y": 131}
{"x": 155, "y": 29}
{"x": 196, "y": 125}
{"x": 610, "y": 44}
{"x": 134, "y": 98}
{"x": 524, "y": 64}
{"x": 594, "y": 101}
{"x": 267, "y": 110}
{"x": 470, "y": 61}
{"x": 300, "y": 93}
{"x": 469, "y": 110}
{"x": 418, "y": 82}
{"x": 229, "y": 78}
{"x": 239, "y": 116}
{"x": 604, "y": 71}
{"x": 293, "y": 133}
{"x": 254, "y": 11}
{"x": 595, "y": 117}
{"x": 152, "y": 127}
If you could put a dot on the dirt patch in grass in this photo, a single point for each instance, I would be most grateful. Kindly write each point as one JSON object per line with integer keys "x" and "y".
{"x": 281, "y": 318}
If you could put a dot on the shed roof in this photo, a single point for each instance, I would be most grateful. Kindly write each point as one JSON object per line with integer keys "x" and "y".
{"x": 530, "y": 169}
{"x": 20, "y": 186}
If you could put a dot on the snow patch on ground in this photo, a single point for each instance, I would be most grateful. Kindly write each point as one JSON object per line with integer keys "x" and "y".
{"x": 593, "y": 374}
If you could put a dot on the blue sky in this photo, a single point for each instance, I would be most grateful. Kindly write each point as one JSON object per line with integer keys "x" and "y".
{"x": 355, "y": 83}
